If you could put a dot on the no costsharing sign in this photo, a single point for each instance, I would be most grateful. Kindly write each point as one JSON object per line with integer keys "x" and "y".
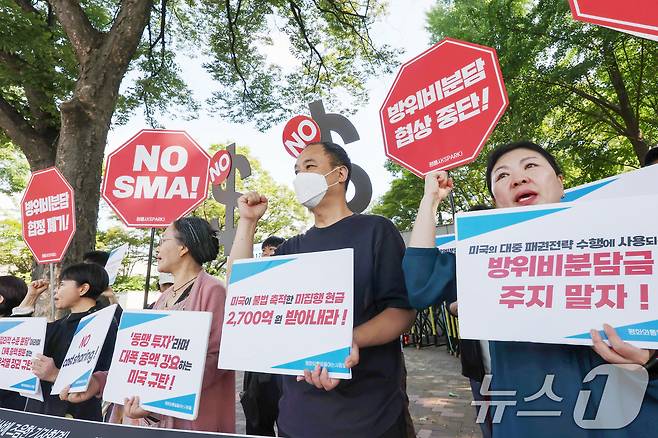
{"x": 156, "y": 177}
{"x": 442, "y": 106}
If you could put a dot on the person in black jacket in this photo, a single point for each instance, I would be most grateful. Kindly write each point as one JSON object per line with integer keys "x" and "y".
{"x": 79, "y": 287}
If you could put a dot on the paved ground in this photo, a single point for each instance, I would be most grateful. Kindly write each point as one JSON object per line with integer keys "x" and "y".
{"x": 440, "y": 396}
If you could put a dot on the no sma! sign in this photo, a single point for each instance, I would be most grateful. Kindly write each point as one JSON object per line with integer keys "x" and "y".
{"x": 156, "y": 177}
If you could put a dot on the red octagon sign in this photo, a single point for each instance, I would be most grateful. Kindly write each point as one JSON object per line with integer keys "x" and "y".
{"x": 443, "y": 106}
{"x": 299, "y": 132}
{"x": 48, "y": 215}
{"x": 637, "y": 17}
{"x": 155, "y": 178}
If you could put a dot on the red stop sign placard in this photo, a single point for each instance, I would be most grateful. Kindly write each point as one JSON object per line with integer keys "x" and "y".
{"x": 48, "y": 215}
{"x": 443, "y": 106}
{"x": 156, "y": 177}
{"x": 637, "y": 17}
{"x": 220, "y": 167}
{"x": 299, "y": 132}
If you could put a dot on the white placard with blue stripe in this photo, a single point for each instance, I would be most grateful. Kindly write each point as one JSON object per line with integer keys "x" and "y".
{"x": 445, "y": 242}
{"x": 550, "y": 273}
{"x": 160, "y": 356}
{"x": 287, "y": 314}
{"x": 20, "y": 340}
{"x": 114, "y": 262}
{"x": 84, "y": 351}
{"x": 639, "y": 182}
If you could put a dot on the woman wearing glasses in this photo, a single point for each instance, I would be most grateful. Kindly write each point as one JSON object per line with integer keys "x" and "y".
{"x": 185, "y": 246}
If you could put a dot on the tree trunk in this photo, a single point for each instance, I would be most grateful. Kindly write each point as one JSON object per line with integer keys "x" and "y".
{"x": 80, "y": 158}
{"x": 86, "y": 117}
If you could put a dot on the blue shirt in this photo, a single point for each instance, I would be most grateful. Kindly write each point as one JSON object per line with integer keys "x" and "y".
{"x": 430, "y": 277}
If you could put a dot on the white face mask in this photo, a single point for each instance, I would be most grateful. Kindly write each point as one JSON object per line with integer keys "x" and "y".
{"x": 310, "y": 188}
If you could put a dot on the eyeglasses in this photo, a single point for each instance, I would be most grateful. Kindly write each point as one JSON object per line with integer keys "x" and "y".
{"x": 164, "y": 239}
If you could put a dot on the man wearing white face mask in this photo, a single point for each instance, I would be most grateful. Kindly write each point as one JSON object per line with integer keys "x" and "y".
{"x": 371, "y": 403}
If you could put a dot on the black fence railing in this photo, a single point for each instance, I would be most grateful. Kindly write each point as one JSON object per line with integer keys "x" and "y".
{"x": 434, "y": 326}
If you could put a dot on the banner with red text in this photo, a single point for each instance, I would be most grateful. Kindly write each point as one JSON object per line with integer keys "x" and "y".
{"x": 286, "y": 314}
{"x": 21, "y": 339}
{"x": 550, "y": 273}
{"x": 160, "y": 356}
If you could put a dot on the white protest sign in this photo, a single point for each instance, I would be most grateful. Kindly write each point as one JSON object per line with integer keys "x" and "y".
{"x": 84, "y": 351}
{"x": 160, "y": 356}
{"x": 286, "y": 314}
{"x": 21, "y": 339}
{"x": 114, "y": 262}
{"x": 636, "y": 183}
{"x": 550, "y": 273}
{"x": 445, "y": 242}
{"x": 36, "y": 396}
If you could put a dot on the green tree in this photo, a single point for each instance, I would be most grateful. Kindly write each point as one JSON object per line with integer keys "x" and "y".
{"x": 284, "y": 217}
{"x": 586, "y": 93}
{"x": 586, "y": 90}
{"x": 116, "y": 236}
{"x": 14, "y": 170}
{"x": 14, "y": 254}
{"x": 62, "y": 63}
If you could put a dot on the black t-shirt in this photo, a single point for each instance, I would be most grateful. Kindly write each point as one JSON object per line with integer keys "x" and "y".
{"x": 369, "y": 403}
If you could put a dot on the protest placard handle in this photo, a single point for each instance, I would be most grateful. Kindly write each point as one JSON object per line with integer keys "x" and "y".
{"x": 148, "y": 270}
{"x": 52, "y": 291}
{"x": 452, "y": 201}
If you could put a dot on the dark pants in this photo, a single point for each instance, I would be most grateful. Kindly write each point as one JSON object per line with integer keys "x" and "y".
{"x": 260, "y": 402}
{"x": 409, "y": 422}
{"x": 486, "y": 426}
{"x": 397, "y": 430}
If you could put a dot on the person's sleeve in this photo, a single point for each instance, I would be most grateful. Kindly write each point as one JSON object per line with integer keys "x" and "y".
{"x": 430, "y": 276}
{"x": 213, "y": 300}
{"x": 652, "y": 368}
{"x": 22, "y": 312}
{"x": 388, "y": 279}
{"x": 105, "y": 358}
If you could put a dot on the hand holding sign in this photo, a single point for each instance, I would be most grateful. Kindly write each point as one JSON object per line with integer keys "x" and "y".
{"x": 44, "y": 368}
{"x": 133, "y": 409}
{"x": 619, "y": 352}
{"x": 93, "y": 389}
{"x": 319, "y": 377}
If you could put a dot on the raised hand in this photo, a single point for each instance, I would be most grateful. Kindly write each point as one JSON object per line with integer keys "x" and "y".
{"x": 252, "y": 206}
{"x": 438, "y": 185}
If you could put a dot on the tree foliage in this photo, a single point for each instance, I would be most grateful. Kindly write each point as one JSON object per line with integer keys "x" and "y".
{"x": 285, "y": 216}
{"x": 14, "y": 170}
{"x": 14, "y": 254}
{"x": 63, "y": 62}
{"x": 586, "y": 93}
